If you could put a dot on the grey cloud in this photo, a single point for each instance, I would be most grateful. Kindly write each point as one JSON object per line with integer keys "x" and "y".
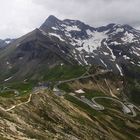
{"x": 97, "y": 12}
{"x": 21, "y": 16}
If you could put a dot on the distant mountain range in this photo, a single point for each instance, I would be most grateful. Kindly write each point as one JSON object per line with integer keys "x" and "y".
{"x": 5, "y": 42}
{"x": 114, "y": 47}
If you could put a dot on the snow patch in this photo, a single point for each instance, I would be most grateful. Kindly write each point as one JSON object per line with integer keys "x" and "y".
{"x": 71, "y": 28}
{"x": 119, "y": 69}
{"x": 79, "y": 91}
{"x": 119, "y": 30}
{"x": 8, "y": 79}
{"x": 138, "y": 48}
{"x": 54, "y": 28}
{"x": 105, "y": 53}
{"x": 103, "y": 63}
{"x": 86, "y": 56}
{"x": 132, "y": 62}
{"x": 56, "y": 35}
{"x": 8, "y": 42}
{"x": 126, "y": 57}
{"x": 136, "y": 51}
{"x": 92, "y": 43}
{"x": 7, "y": 63}
{"x": 89, "y": 32}
{"x": 128, "y": 37}
{"x": 112, "y": 55}
{"x": 55, "y": 89}
{"x": 115, "y": 43}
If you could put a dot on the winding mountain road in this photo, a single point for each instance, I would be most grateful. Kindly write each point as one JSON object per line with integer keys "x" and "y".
{"x": 127, "y": 108}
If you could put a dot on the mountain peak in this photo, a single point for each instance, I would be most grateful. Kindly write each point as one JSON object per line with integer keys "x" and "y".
{"x": 52, "y": 18}
{"x": 50, "y": 22}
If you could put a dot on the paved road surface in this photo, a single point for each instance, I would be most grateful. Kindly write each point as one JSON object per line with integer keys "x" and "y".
{"x": 127, "y": 109}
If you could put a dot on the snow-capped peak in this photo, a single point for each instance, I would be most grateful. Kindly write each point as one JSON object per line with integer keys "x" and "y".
{"x": 103, "y": 45}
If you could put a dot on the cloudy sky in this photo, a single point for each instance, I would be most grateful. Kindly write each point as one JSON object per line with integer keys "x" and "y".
{"x": 21, "y": 16}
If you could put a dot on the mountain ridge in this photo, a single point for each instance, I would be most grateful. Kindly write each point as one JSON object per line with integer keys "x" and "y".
{"x": 113, "y": 46}
{"x": 89, "y": 40}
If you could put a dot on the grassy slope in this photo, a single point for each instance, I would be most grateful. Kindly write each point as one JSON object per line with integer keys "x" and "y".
{"x": 54, "y": 74}
{"x": 63, "y": 72}
{"x": 111, "y": 119}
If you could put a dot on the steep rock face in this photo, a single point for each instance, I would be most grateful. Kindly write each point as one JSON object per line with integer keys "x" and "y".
{"x": 31, "y": 53}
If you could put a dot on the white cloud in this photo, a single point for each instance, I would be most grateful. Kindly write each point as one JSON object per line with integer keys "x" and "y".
{"x": 21, "y": 16}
